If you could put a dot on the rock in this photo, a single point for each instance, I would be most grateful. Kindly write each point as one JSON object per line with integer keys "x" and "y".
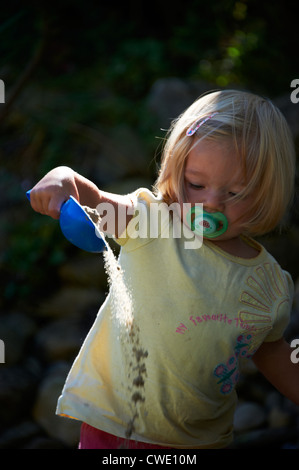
{"x": 17, "y": 436}
{"x": 169, "y": 97}
{"x": 84, "y": 271}
{"x": 70, "y": 302}
{"x": 273, "y": 400}
{"x": 284, "y": 248}
{"x": 132, "y": 151}
{"x": 267, "y": 439}
{"x": 290, "y": 111}
{"x": 292, "y": 330}
{"x": 60, "y": 340}
{"x": 17, "y": 390}
{"x": 65, "y": 430}
{"x": 122, "y": 155}
{"x": 248, "y": 415}
{"x": 278, "y": 418}
{"x": 247, "y": 366}
{"x": 291, "y": 408}
{"x": 41, "y": 442}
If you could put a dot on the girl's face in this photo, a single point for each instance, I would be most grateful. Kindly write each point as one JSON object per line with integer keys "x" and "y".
{"x": 213, "y": 175}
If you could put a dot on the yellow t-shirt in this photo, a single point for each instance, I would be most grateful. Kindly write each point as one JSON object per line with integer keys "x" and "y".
{"x": 170, "y": 379}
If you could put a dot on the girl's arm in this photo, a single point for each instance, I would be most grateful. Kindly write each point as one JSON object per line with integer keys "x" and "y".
{"x": 273, "y": 359}
{"x": 48, "y": 195}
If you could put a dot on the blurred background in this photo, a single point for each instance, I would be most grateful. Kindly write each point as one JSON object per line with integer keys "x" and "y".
{"x": 94, "y": 86}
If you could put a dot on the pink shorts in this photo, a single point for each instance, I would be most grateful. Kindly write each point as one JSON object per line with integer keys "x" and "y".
{"x": 92, "y": 438}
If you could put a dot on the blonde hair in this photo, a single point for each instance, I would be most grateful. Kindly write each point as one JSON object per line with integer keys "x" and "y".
{"x": 262, "y": 139}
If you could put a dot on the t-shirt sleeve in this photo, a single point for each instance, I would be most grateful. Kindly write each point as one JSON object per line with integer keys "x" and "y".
{"x": 137, "y": 232}
{"x": 283, "y": 313}
{"x": 154, "y": 218}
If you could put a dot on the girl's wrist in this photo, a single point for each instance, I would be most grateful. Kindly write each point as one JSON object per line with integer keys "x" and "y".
{"x": 89, "y": 193}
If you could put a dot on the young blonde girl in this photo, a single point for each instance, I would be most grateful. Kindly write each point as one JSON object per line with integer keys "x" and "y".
{"x": 169, "y": 379}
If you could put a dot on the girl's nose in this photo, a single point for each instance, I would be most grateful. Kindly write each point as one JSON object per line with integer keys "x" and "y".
{"x": 214, "y": 201}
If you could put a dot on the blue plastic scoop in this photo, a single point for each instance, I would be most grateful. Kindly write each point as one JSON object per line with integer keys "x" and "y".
{"x": 78, "y": 228}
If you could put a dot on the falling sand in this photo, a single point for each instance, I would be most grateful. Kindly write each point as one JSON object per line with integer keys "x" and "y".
{"x": 122, "y": 312}
{"x": 121, "y": 300}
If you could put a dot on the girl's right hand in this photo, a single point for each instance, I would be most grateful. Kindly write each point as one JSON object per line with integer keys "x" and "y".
{"x": 48, "y": 195}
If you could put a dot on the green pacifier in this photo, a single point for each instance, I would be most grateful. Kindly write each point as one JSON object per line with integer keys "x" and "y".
{"x": 209, "y": 225}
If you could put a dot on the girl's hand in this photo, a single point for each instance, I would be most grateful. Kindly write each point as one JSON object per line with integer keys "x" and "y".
{"x": 48, "y": 195}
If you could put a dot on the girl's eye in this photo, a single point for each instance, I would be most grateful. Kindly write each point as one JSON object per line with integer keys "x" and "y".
{"x": 196, "y": 186}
